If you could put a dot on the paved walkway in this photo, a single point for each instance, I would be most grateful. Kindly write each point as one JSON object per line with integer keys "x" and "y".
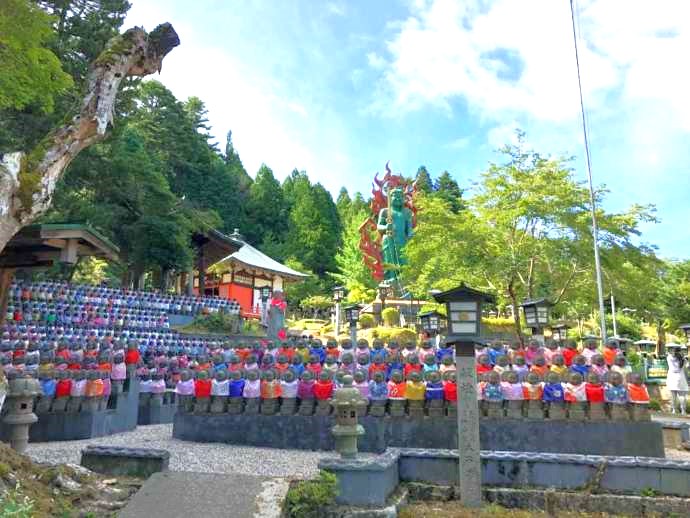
{"x": 185, "y": 494}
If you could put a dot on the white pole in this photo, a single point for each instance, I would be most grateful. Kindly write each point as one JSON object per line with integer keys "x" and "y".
{"x": 337, "y": 319}
{"x": 613, "y": 315}
{"x": 593, "y": 207}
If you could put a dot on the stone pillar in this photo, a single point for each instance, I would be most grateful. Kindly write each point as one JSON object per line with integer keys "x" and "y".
{"x": 468, "y": 426}
{"x": 20, "y": 406}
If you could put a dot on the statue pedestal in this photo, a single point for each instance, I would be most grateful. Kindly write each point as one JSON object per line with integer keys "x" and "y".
{"x": 251, "y": 405}
{"x": 288, "y": 406}
{"x": 435, "y": 408}
{"x": 597, "y": 412}
{"x": 306, "y": 407}
{"x": 415, "y": 409}
{"x": 619, "y": 412}
{"x": 201, "y": 405}
{"x": 494, "y": 409}
{"x": 235, "y": 405}
{"x": 377, "y": 408}
{"x": 557, "y": 410}
{"x": 577, "y": 410}
{"x": 514, "y": 409}
{"x": 218, "y": 404}
{"x": 535, "y": 409}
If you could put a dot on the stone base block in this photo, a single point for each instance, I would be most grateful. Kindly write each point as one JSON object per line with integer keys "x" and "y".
{"x": 60, "y": 404}
{"x": 132, "y": 462}
{"x": 144, "y": 398}
{"x": 288, "y": 406}
{"x": 435, "y": 408}
{"x": 535, "y": 409}
{"x": 306, "y": 407}
{"x": 323, "y": 407}
{"x": 494, "y": 409}
{"x": 251, "y": 405}
{"x": 74, "y": 404}
{"x": 90, "y": 404}
{"x": 186, "y": 403}
{"x": 235, "y": 405}
{"x": 201, "y": 405}
{"x": 451, "y": 409}
{"x": 363, "y": 409}
{"x": 43, "y": 404}
{"x": 597, "y": 412}
{"x": 619, "y": 412}
{"x": 577, "y": 411}
{"x": 640, "y": 412}
{"x": 514, "y": 409}
{"x": 156, "y": 400}
{"x": 218, "y": 404}
{"x": 364, "y": 481}
{"x": 415, "y": 409}
{"x": 396, "y": 407}
{"x": 377, "y": 408}
{"x": 269, "y": 406}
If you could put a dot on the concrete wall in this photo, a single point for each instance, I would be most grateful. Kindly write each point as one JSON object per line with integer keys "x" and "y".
{"x": 85, "y": 424}
{"x": 517, "y": 469}
{"x": 314, "y": 433}
{"x": 152, "y": 413}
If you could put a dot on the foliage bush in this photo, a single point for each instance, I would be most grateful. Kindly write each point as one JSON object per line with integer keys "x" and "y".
{"x": 307, "y": 499}
{"x": 316, "y": 302}
{"x": 625, "y": 326}
{"x": 654, "y": 405}
{"x": 16, "y": 505}
{"x": 367, "y": 321}
{"x": 391, "y": 317}
{"x": 399, "y": 334}
{"x": 634, "y": 359}
{"x": 221, "y": 323}
{"x": 498, "y": 325}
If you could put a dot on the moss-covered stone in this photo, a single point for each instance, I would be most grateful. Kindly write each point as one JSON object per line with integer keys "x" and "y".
{"x": 118, "y": 46}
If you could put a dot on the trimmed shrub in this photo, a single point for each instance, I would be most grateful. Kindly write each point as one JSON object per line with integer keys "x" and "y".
{"x": 366, "y": 321}
{"x": 308, "y": 498}
{"x": 391, "y": 317}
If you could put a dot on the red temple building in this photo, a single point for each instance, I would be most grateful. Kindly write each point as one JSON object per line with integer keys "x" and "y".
{"x": 229, "y": 267}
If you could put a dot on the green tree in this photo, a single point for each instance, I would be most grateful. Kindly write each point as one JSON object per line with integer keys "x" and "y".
{"x": 266, "y": 212}
{"x": 526, "y": 234}
{"x": 351, "y": 272}
{"x": 30, "y": 73}
{"x": 447, "y": 189}
{"x": 343, "y": 203}
{"x": 423, "y": 180}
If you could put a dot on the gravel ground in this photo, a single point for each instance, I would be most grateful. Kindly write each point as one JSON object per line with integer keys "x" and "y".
{"x": 192, "y": 456}
{"x": 208, "y": 457}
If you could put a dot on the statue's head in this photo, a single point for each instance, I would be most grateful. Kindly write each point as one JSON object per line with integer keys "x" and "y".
{"x": 396, "y": 196}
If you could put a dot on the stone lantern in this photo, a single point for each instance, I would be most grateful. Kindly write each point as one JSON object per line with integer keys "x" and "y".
{"x": 338, "y": 297}
{"x": 20, "y": 410}
{"x": 537, "y": 316}
{"x": 464, "y": 313}
{"x": 430, "y": 322}
{"x": 352, "y": 316}
{"x": 346, "y": 429}
{"x": 559, "y": 332}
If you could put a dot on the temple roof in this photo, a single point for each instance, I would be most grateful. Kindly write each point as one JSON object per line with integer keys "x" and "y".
{"x": 249, "y": 256}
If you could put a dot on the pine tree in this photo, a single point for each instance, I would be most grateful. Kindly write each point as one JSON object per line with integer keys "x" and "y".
{"x": 423, "y": 180}
{"x": 447, "y": 189}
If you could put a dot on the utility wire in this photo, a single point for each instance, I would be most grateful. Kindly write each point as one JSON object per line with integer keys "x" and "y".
{"x": 595, "y": 229}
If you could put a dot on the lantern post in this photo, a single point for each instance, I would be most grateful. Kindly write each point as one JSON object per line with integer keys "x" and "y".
{"x": 464, "y": 315}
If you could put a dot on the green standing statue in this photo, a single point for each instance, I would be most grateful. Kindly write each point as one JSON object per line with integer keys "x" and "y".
{"x": 395, "y": 221}
{"x": 385, "y": 233}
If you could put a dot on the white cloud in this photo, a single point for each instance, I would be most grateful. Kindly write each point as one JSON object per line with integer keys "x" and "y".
{"x": 336, "y": 9}
{"x": 447, "y": 49}
{"x": 459, "y": 143}
{"x": 375, "y": 61}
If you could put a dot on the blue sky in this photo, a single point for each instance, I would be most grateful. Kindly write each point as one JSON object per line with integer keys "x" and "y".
{"x": 337, "y": 88}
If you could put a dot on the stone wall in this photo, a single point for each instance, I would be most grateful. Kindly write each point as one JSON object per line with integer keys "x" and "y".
{"x": 84, "y": 418}
{"x": 528, "y": 435}
{"x": 157, "y": 408}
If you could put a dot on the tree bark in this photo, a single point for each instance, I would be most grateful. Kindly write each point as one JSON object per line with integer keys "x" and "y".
{"x": 28, "y": 180}
{"x": 516, "y": 312}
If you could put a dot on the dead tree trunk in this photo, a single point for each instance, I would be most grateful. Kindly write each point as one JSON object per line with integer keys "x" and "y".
{"x": 28, "y": 180}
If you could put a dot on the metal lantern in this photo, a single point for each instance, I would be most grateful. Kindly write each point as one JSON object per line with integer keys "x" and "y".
{"x": 352, "y": 314}
{"x": 686, "y": 330}
{"x": 338, "y": 293}
{"x": 559, "y": 332}
{"x": 536, "y": 312}
{"x": 265, "y": 293}
{"x": 430, "y": 321}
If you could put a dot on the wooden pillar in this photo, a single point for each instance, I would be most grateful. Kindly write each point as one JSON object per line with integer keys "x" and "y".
{"x": 6, "y": 276}
{"x": 202, "y": 273}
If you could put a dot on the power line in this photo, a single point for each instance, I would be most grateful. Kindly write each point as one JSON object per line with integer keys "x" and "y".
{"x": 595, "y": 229}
